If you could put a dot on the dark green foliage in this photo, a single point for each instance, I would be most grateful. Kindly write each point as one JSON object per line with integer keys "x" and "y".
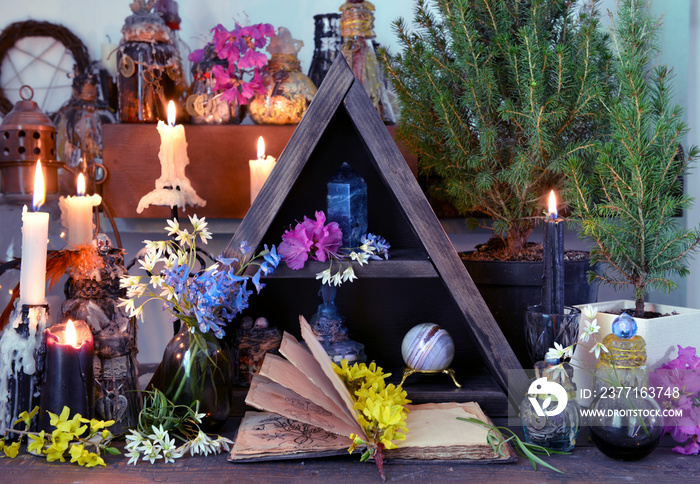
{"x": 495, "y": 97}
{"x": 627, "y": 208}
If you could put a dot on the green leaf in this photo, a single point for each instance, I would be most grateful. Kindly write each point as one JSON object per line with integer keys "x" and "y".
{"x": 523, "y": 448}
{"x": 112, "y": 450}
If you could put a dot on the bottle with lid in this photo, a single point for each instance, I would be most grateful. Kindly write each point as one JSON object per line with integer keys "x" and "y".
{"x": 624, "y": 422}
{"x": 549, "y": 413}
{"x": 625, "y": 363}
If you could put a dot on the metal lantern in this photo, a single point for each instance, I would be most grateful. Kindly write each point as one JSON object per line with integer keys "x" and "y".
{"x": 27, "y": 135}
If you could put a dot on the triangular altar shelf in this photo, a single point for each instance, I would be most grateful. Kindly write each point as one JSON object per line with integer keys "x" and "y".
{"x": 423, "y": 281}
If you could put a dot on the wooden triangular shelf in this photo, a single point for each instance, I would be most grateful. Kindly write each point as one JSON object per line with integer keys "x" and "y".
{"x": 424, "y": 280}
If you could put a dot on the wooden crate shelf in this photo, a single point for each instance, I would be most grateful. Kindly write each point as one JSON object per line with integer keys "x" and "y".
{"x": 218, "y": 166}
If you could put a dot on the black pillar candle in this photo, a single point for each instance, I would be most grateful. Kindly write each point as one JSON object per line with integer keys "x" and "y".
{"x": 553, "y": 257}
{"x": 21, "y": 366}
{"x": 68, "y": 376}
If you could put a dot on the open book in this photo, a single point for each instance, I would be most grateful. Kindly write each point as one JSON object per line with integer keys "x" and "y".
{"x": 308, "y": 411}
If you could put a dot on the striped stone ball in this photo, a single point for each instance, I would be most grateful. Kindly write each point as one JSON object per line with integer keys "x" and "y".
{"x": 427, "y": 347}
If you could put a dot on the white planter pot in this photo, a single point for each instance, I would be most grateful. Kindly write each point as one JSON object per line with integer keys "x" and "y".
{"x": 662, "y": 335}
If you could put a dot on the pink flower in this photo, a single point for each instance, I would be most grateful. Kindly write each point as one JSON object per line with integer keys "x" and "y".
{"x": 295, "y": 247}
{"x": 310, "y": 239}
{"x": 691, "y": 448}
{"x": 682, "y": 377}
{"x": 241, "y": 80}
{"x": 196, "y": 56}
{"x": 252, "y": 59}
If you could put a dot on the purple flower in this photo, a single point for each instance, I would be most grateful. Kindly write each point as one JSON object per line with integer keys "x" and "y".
{"x": 252, "y": 59}
{"x": 241, "y": 80}
{"x": 311, "y": 239}
{"x": 680, "y": 380}
{"x": 295, "y": 247}
{"x": 691, "y": 448}
{"x": 196, "y": 56}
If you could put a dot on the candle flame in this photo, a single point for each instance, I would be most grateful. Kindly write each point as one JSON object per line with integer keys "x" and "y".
{"x": 81, "y": 185}
{"x": 171, "y": 113}
{"x": 552, "y": 212}
{"x": 261, "y": 148}
{"x": 39, "y": 190}
{"x": 71, "y": 336}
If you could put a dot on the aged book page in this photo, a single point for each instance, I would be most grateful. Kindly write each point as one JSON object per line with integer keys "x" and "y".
{"x": 327, "y": 366}
{"x": 435, "y": 433}
{"x": 286, "y": 374}
{"x": 312, "y": 414}
{"x": 267, "y": 395}
{"x": 268, "y": 436}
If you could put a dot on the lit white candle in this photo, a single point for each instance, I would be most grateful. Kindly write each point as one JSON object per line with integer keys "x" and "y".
{"x": 173, "y": 151}
{"x": 173, "y": 188}
{"x": 259, "y": 170}
{"x": 35, "y": 234}
{"x": 76, "y": 214}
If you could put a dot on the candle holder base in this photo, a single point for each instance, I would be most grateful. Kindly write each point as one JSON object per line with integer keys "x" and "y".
{"x": 20, "y": 377}
{"x": 447, "y": 371}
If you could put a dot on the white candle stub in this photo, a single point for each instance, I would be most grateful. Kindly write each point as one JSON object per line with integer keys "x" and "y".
{"x": 173, "y": 188}
{"x": 76, "y": 214}
{"x": 259, "y": 170}
{"x": 35, "y": 234}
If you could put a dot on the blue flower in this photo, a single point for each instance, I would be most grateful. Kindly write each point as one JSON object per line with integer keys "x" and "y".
{"x": 380, "y": 245}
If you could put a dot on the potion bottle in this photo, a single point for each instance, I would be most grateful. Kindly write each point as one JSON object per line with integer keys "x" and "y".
{"x": 625, "y": 365}
{"x": 546, "y": 425}
{"x": 625, "y": 422}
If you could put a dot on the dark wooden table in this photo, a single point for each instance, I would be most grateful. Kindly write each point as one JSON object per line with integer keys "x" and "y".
{"x": 586, "y": 463}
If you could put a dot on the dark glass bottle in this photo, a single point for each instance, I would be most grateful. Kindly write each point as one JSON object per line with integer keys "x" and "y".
{"x": 625, "y": 421}
{"x": 327, "y": 42}
{"x": 150, "y": 69}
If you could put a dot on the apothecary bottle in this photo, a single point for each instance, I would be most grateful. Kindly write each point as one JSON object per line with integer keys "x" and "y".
{"x": 543, "y": 423}
{"x": 150, "y": 70}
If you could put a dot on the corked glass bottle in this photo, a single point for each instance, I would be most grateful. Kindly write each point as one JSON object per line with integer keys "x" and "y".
{"x": 357, "y": 29}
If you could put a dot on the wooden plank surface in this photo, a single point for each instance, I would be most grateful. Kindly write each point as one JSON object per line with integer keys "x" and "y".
{"x": 218, "y": 168}
{"x": 585, "y": 464}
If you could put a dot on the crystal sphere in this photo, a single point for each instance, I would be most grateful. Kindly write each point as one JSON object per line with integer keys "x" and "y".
{"x": 427, "y": 347}
{"x": 624, "y": 326}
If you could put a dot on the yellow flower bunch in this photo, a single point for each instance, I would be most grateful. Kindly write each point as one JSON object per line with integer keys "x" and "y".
{"x": 72, "y": 434}
{"x": 381, "y": 406}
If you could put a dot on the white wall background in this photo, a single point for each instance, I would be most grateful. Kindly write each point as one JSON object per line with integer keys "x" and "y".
{"x": 94, "y": 21}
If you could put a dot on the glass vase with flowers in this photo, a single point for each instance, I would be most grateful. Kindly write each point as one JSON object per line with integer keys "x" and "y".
{"x": 228, "y": 73}
{"x": 196, "y": 365}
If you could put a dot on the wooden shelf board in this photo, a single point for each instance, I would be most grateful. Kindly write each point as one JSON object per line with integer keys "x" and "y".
{"x": 218, "y": 169}
{"x": 480, "y": 388}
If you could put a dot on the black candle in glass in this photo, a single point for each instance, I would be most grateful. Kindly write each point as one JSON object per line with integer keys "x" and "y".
{"x": 68, "y": 373}
{"x": 553, "y": 276}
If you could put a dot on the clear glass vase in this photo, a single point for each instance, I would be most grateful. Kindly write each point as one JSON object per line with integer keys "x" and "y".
{"x": 205, "y": 105}
{"x": 542, "y": 330}
{"x": 625, "y": 422}
{"x": 197, "y": 366}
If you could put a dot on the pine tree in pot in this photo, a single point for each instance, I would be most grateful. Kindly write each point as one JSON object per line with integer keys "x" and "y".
{"x": 495, "y": 97}
{"x": 629, "y": 207}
